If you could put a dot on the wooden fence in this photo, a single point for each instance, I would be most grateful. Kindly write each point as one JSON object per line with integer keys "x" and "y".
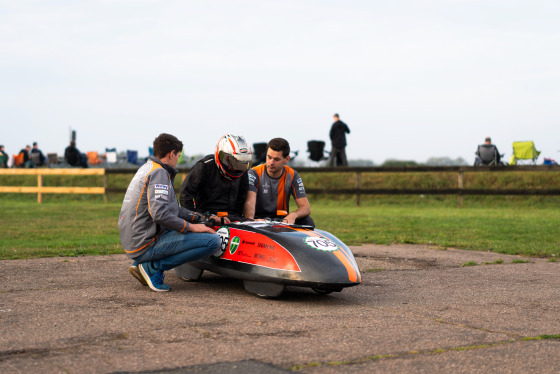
{"x": 460, "y": 191}
{"x": 40, "y": 189}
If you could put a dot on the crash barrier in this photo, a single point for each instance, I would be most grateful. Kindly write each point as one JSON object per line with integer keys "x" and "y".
{"x": 40, "y": 189}
{"x": 358, "y": 191}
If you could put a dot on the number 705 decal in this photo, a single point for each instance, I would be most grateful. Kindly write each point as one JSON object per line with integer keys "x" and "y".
{"x": 322, "y": 244}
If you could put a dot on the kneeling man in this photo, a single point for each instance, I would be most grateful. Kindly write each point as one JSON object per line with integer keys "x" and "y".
{"x": 272, "y": 183}
{"x": 155, "y": 231}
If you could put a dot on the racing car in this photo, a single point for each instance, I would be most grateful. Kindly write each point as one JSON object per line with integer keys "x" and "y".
{"x": 270, "y": 255}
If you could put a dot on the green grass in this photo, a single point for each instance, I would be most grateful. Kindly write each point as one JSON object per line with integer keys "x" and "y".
{"x": 71, "y": 227}
{"x": 505, "y": 229}
{"x": 470, "y": 263}
{"x": 53, "y": 229}
{"x": 497, "y": 262}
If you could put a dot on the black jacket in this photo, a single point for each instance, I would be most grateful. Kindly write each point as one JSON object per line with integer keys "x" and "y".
{"x": 72, "y": 156}
{"x": 206, "y": 190}
{"x": 338, "y": 134}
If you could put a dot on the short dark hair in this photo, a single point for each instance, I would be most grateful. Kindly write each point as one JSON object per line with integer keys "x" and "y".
{"x": 34, "y": 144}
{"x": 166, "y": 143}
{"x": 336, "y": 115}
{"x": 279, "y": 145}
{"x": 488, "y": 139}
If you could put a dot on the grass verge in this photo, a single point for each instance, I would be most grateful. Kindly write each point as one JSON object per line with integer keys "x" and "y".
{"x": 71, "y": 228}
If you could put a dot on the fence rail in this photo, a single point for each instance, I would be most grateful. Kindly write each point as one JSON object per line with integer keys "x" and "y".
{"x": 460, "y": 191}
{"x": 40, "y": 189}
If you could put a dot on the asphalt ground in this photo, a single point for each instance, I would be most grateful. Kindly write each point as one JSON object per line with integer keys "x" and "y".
{"x": 417, "y": 310}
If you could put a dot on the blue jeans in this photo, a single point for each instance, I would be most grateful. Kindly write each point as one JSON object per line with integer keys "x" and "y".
{"x": 173, "y": 249}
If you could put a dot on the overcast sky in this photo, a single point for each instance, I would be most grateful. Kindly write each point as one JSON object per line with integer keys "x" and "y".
{"x": 413, "y": 79}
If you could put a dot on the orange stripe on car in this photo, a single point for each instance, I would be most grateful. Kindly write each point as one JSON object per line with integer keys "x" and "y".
{"x": 352, "y": 273}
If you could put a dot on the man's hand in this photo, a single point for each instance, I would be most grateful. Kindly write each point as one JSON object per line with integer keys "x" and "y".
{"x": 199, "y": 227}
{"x": 290, "y": 218}
{"x": 218, "y": 220}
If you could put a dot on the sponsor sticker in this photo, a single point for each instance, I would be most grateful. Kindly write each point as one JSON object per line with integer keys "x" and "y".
{"x": 161, "y": 192}
{"x": 234, "y": 245}
{"x": 223, "y": 233}
{"x": 162, "y": 186}
{"x": 321, "y": 244}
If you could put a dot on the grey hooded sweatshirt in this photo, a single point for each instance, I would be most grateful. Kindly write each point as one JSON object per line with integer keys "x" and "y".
{"x": 150, "y": 208}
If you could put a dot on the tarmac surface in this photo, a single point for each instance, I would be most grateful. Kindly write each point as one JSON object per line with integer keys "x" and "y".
{"x": 417, "y": 310}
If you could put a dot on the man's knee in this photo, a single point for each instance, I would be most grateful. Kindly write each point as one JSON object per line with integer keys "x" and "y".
{"x": 214, "y": 242}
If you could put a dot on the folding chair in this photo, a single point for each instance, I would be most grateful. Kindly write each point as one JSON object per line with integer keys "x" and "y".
{"x": 316, "y": 149}
{"x": 524, "y": 152}
{"x": 111, "y": 155}
{"x": 132, "y": 157}
{"x": 3, "y": 160}
{"x": 18, "y": 160}
{"x": 487, "y": 154}
{"x": 93, "y": 158}
{"x": 52, "y": 158}
{"x": 35, "y": 159}
{"x": 259, "y": 153}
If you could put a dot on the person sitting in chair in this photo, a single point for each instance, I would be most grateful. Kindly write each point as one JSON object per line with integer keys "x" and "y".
{"x": 487, "y": 154}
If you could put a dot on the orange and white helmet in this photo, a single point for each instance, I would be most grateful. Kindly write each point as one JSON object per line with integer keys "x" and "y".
{"x": 233, "y": 156}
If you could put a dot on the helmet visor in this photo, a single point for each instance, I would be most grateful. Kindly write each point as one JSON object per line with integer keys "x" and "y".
{"x": 235, "y": 165}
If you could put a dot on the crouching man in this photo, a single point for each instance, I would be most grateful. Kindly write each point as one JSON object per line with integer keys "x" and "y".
{"x": 272, "y": 183}
{"x": 154, "y": 230}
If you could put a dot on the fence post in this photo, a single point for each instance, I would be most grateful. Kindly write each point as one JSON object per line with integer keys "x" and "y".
{"x": 460, "y": 186}
{"x": 39, "y": 185}
{"x": 358, "y": 183}
{"x": 104, "y": 186}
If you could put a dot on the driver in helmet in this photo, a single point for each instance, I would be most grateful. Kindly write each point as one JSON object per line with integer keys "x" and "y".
{"x": 219, "y": 182}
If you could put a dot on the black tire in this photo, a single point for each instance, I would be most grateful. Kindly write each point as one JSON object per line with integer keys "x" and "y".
{"x": 321, "y": 291}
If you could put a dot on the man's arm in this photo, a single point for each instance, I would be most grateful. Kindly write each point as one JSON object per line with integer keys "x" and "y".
{"x": 242, "y": 195}
{"x": 249, "y": 206}
{"x": 190, "y": 186}
{"x": 303, "y": 210}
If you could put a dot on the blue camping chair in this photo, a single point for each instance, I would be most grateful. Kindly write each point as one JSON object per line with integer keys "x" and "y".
{"x": 132, "y": 157}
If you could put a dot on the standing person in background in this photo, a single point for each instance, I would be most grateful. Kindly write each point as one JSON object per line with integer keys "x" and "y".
{"x": 41, "y": 158}
{"x": 3, "y": 158}
{"x": 338, "y": 140}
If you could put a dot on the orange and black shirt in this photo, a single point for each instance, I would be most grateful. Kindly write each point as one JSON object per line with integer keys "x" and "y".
{"x": 274, "y": 193}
